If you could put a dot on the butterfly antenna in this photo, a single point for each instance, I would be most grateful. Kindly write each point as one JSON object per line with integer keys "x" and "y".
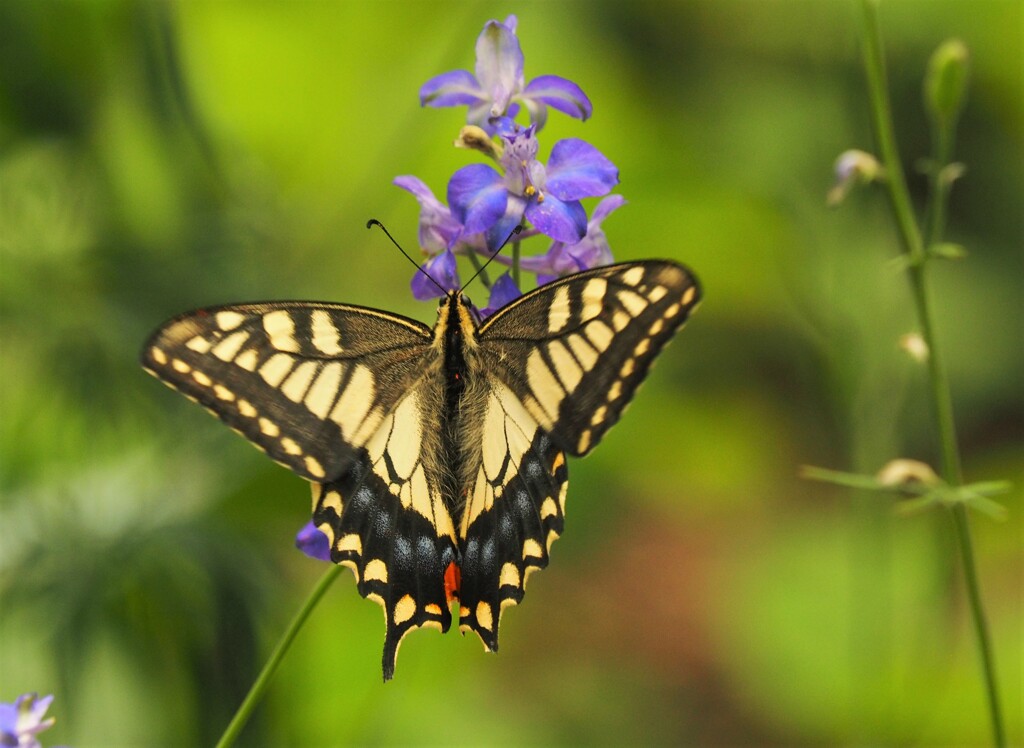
{"x": 515, "y": 232}
{"x": 374, "y": 222}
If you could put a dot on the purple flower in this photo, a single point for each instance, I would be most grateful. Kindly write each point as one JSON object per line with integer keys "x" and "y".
{"x": 590, "y": 252}
{"x": 439, "y": 233}
{"x": 313, "y": 543}
{"x": 438, "y": 229}
{"x": 498, "y": 84}
{"x": 21, "y": 721}
{"x": 503, "y": 291}
{"x": 437, "y": 276}
{"x": 483, "y": 200}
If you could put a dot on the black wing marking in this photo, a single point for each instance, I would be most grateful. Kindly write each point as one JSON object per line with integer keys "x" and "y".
{"x": 575, "y": 350}
{"x": 514, "y": 511}
{"x": 307, "y": 382}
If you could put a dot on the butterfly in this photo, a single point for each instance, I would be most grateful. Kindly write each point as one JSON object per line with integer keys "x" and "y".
{"x": 437, "y": 456}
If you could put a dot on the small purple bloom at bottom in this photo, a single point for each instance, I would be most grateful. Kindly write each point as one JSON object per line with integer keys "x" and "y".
{"x": 313, "y": 543}
{"x": 21, "y": 721}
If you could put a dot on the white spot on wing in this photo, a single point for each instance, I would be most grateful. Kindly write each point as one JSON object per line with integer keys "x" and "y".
{"x": 565, "y": 365}
{"x": 634, "y": 302}
{"x": 634, "y": 275}
{"x": 593, "y": 298}
{"x": 280, "y": 328}
{"x": 229, "y": 347}
{"x": 314, "y": 467}
{"x": 229, "y": 320}
{"x": 558, "y": 312}
{"x": 295, "y": 387}
{"x": 404, "y": 610}
{"x": 199, "y": 344}
{"x": 276, "y": 368}
{"x": 421, "y": 494}
{"x": 353, "y": 405}
{"x": 543, "y": 384}
{"x": 584, "y": 352}
{"x": 321, "y": 395}
{"x": 599, "y": 334}
{"x": 247, "y": 359}
{"x": 404, "y": 449}
{"x": 376, "y": 570}
{"x": 269, "y": 428}
{"x": 326, "y": 336}
{"x": 494, "y": 446}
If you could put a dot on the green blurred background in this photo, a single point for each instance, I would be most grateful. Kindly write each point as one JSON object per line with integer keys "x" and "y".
{"x": 158, "y": 156}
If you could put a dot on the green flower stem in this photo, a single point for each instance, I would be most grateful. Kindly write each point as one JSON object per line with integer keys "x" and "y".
{"x": 939, "y": 183}
{"x": 265, "y": 676}
{"x": 478, "y": 268}
{"x": 910, "y": 236}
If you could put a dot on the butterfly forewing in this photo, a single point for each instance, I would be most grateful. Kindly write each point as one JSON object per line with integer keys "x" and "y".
{"x": 305, "y": 382}
{"x": 575, "y": 350}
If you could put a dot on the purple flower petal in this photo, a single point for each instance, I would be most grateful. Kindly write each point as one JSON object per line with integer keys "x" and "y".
{"x": 21, "y": 721}
{"x": 604, "y": 209}
{"x": 565, "y": 221}
{"x": 538, "y": 112}
{"x": 477, "y": 196}
{"x": 444, "y": 272}
{"x": 560, "y": 93}
{"x": 499, "y": 64}
{"x": 590, "y": 252}
{"x": 501, "y": 231}
{"x": 577, "y": 169}
{"x": 438, "y": 228}
{"x": 504, "y": 127}
{"x": 504, "y": 291}
{"x": 453, "y": 88}
{"x": 313, "y": 543}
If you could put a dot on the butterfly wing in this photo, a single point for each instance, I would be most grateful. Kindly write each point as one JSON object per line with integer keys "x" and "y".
{"x": 343, "y": 396}
{"x": 560, "y": 364}
{"x": 513, "y": 512}
{"x": 575, "y": 350}
{"x": 307, "y": 383}
{"x": 387, "y": 521}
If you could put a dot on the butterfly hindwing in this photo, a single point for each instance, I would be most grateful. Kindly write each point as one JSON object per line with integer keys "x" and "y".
{"x": 400, "y": 557}
{"x": 305, "y": 382}
{"x": 575, "y": 350}
{"x": 514, "y": 511}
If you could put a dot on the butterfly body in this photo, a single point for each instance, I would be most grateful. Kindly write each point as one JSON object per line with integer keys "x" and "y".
{"x": 437, "y": 456}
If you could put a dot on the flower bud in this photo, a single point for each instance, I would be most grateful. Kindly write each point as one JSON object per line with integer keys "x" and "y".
{"x": 915, "y": 346}
{"x": 945, "y": 83}
{"x": 903, "y": 471}
{"x": 853, "y": 167}
{"x": 476, "y": 138}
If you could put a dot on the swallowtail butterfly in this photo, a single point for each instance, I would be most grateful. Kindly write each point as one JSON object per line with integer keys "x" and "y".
{"x": 437, "y": 456}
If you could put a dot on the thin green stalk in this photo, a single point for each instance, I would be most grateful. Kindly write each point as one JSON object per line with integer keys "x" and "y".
{"x": 265, "y": 676}
{"x": 910, "y": 237}
{"x": 939, "y": 184}
{"x": 478, "y": 268}
{"x": 878, "y": 89}
{"x": 963, "y": 533}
